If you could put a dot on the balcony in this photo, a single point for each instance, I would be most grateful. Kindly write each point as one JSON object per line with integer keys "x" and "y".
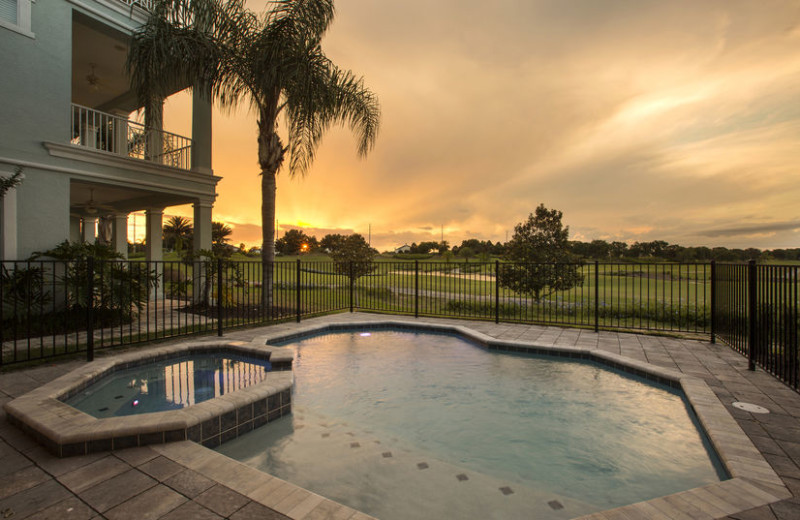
{"x": 117, "y": 135}
{"x": 147, "y": 5}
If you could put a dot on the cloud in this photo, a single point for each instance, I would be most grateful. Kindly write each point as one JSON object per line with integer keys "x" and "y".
{"x": 675, "y": 117}
{"x": 752, "y": 229}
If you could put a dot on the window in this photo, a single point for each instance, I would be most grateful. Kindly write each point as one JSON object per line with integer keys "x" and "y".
{"x": 8, "y": 10}
{"x": 16, "y": 15}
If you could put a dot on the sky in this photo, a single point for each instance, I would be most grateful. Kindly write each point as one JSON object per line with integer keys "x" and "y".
{"x": 640, "y": 120}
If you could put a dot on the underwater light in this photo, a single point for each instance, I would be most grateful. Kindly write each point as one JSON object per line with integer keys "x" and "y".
{"x": 365, "y": 334}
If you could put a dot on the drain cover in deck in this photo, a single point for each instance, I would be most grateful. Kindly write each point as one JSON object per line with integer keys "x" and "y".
{"x": 749, "y": 407}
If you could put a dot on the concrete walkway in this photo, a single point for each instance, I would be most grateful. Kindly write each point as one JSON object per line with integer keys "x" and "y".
{"x": 164, "y": 481}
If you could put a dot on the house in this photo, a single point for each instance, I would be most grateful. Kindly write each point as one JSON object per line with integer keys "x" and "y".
{"x": 405, "y": 248}
{"x": 66, "y": 120}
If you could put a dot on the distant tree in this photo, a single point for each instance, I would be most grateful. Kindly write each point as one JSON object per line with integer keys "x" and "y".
{"x": 354, "y": 258}
{"x": 600, "y": 249}
{"x": 618, "y": 249}
{"x": 752, "y": 253}
{"x": 703, "y": 253}
{"x": 499, "y": 249}
{"x": 331, "y": 242}
{"x": 220, "y": 232}
{"x": 423, "y": 248}
{"x": 291, "y": 243}
{"x": 539, "y": 257}
{"x": 443, "y": 247}
{"x": 466, "y": 252}
{"x": 178, "y": 233}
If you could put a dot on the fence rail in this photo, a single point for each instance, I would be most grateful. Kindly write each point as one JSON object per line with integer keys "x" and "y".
{"x": 53, "y": 308}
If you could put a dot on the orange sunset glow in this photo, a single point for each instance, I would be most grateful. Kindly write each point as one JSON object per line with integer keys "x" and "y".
{"x": 643, "y": 120}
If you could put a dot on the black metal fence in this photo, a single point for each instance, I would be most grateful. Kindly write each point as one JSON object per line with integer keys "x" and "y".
{"x": 756, "y": 313}
{"x": 53, "y": 308}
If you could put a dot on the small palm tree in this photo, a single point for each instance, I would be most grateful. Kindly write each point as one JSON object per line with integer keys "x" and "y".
{"x": 177, "y": 232}
{"x": 275, "y": 63}
{"x": 220, "y": 232}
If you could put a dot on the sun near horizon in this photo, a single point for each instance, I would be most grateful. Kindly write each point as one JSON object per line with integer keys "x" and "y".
{"x": 640, "y": 121}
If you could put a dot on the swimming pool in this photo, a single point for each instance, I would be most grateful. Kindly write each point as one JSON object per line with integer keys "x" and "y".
{"x": 408, "y": 425}
{"x": 169, "y": 384}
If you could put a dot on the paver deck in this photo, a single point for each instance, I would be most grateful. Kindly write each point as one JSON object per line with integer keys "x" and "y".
{"x": 184, "y": 480}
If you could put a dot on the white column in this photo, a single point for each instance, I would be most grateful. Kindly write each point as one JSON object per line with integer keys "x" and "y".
{"x": 202, "y": 240}
{"x": 89, "y": 229}
{"x": 154, "y": 250}
{"x": 9, "y": 229}
{"x": 201, "y": 133}
{"x": 202, "y": 225}
{"x": 153, "y": 234}
{"x": 74, "y": 229}
{"x": 120, "y": 145}
{"x": 119, "y": 235}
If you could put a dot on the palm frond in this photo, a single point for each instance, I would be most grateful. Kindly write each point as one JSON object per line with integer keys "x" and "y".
{"x": 319, "y": 95}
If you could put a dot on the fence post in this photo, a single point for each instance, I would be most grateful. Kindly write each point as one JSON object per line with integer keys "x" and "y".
{"x": 2, "y": 299}
{"x": 219, "y": 297}
{"x": 90, "y": 308}
{"x": 752, "y": 302}
{"x": 497, "y": 291}
{"x": 596, "y": 296}
{"x": 352, "y": 284}
{"x": 416, "y": 288}
{"x": 713, "y": 301}
{"x": 298, "y": 291}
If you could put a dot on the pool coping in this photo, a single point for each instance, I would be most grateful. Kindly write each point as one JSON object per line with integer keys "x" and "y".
{"x": 66, "y": 431}
{"x": 752, "y": 481}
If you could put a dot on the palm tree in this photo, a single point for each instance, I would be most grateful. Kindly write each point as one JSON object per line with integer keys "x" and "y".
{"x": 220, "y": 232}
{"x": 274, "y": 62}
{"x": 177, "y": 232}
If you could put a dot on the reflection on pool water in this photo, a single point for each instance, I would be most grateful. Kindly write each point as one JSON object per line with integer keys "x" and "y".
{"x": 169, "y": 384}
{"x": 411, "y": 425}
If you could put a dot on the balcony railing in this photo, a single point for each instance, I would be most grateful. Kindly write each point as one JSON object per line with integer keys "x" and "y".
{"x": 147, "y": 5}
{"x": 120, "y": 136}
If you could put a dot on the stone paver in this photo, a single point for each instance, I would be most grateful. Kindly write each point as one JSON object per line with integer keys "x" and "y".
{"x": 161, "y": 468}
{"x": 150, "y": 505}
{"x": 191, "y": 511}
{"x": 70, "y": 509}
{"x": 189, "y": 483}
{"x": 92, "y": 474}
{"x": 113, "y": 492}
{"x": 13, "y": 483}
{"x": 255, "y": 511}
{"x": 33, "y": 500}
{"x": 222, "y": 500}
{"x": 145, "y": 483}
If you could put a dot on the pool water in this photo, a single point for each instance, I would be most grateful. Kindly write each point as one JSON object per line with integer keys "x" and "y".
{"x": 410, "y": 425}
{"x": 169, "y": 384}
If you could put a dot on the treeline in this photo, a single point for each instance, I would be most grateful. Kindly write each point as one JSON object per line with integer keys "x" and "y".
{"x": 661, "y": 250}
{"x": 657, "y": 250}
{"x": 295, "y": 241}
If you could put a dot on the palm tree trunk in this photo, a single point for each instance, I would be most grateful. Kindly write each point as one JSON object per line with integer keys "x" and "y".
{"x": 270, "y": 158}
{"x": 268, "y": 190}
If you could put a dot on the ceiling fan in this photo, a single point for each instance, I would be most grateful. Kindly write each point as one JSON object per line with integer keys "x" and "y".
{"x": 91, "y": 207}
{"x": 93, "y": 79}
